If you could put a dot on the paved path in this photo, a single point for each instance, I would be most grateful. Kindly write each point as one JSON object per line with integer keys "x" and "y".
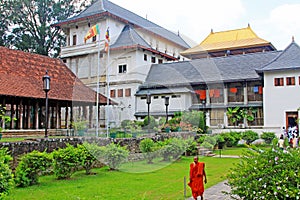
{"x": 215, "y": 192}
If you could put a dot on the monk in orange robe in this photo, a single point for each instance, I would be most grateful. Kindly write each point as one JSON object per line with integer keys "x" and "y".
{"x": 197, "y": 173}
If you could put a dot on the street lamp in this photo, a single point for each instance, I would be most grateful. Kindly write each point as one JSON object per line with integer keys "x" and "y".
{"x": 167, "y": 102}
{"x": 46, "y": 83}
{"x": 148, "y": 102}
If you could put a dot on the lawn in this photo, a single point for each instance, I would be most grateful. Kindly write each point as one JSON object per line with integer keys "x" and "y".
{"x": 136, "y": 180}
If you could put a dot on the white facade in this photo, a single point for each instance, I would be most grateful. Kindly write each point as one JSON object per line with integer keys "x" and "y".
{"x": 177, "y": 102}
{"x": 280, "y": 102}
{"x": 135, "y": 63}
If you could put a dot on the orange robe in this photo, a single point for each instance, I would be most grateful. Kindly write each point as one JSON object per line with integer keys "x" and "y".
{"x": 196, "y": 179}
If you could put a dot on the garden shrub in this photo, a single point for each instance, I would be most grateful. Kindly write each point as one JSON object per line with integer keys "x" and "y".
{"x": 173, "y": 148}
{"x": 148, "y": 147}
{"x": 268, "y": 136}
{"x": 153, "y": 123}
{"x": 66, "y": 162}
{"x": 270, "y": 174}
{"x": 237, "y": 136}
{"x": 125, "y": 123}
{"x": 192, "y": 148}
{"x": 88, "y": 155}
{"x": 209, "y": 142}
{"x": 6, "y": 176}
{"x": 115, "y": 155}
{"x": 249, "y": 136}
{"x": 229, "y": 139}
{"x": 31, "y": 166}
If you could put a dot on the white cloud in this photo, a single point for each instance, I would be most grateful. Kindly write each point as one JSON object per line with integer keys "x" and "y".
{"x": 281, "y": 24}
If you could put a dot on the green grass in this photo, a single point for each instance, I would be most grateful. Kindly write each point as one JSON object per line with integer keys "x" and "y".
{"x": 238, "y": 151}
{"x": 155, "y": 181}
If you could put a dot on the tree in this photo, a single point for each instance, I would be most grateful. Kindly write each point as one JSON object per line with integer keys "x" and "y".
{"x": 29, "y": 24}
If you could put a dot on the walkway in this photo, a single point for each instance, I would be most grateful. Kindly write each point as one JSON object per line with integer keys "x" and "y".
{"x": 215, "y": 192}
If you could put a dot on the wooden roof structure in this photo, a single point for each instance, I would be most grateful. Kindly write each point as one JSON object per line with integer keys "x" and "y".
{"x": 21, "y": 76}
{"x": 238, "y": 41}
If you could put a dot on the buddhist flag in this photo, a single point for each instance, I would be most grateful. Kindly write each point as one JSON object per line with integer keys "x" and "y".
{"x": 92, "y": 32}
{"x": 107, "y": 39}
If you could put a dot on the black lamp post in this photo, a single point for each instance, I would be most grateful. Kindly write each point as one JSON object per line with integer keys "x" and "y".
{"x": 148, "y": 102}
{"x": 167, "y": 102}
{"x": 46, "y": 83}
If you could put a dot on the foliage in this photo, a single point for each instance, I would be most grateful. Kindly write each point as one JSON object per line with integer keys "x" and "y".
{"x": 270, "y": 174}
{"x": 3, "y": 117}
{"x": 31, "y": 166}
{"x": 88, "y": 154}
{"x": 229, "y": 139}
{"x": 237, "y": 114}
{"x": 233, "y": 115}
{"x": 192, "y": 148}
{"x": 209, "y": 142}
{"x": 6, "y": 176}
{"x": 115, "y": 155}
{"x": 162, "y": 121}
{"x": 249, "y": 136}
{"x": 148, "y": 147}
{"x": 125, "y": 123}
{"x": 31, "y": 30}
{"x": 192, "y": 117}
{"x": 66, "y": 161}
{"x": 268, "y": 136}
{"x": 153, "y": 123}
{"x": 80, "y": 125}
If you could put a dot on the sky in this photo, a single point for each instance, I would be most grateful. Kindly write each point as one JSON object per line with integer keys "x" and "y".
{"x": 276, "y": 21}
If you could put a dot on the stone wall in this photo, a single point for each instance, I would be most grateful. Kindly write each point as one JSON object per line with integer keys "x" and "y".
{"x": 50, "y": 144}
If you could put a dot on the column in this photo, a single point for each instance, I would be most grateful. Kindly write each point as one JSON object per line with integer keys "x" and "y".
{"x": 66, "y": 117}
{"x": 245, "y": 94}
{"x": 90, "y": 116}
{"x": 36, "y": 115}
{"x": 225, "y": 91}
{"x": 28, "y": 116}
{"x": 20, "y": 114}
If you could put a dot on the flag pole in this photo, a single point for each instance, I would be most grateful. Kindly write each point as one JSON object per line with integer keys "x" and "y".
{"x": 108, "y": 91}
{"x": 97, "y": 88}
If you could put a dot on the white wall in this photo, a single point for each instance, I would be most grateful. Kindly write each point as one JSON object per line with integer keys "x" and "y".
{"x": 158, "y": 105}
{"x": 281, "y": 99}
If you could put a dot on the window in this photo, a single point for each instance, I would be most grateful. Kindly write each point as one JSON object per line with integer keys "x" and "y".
{"x": 153, "y": 59}
{"x": 155, "y": 97}
{"x": 175, "y": 96}
{"x": 122, "y": 68}
{"x": 290, "y": 80}
{"x": 120, "y": 92}
{"x": 160, "y": 61}
{"x": 278, "y": 81}
{"x": 143, "y": 97}
{"x": 113, "y": 93}
{"x": 74, "y": 39}
{"x": 94, "y": 38}
{"x": 128, "y": 92}
{"x": 145, "y": 57}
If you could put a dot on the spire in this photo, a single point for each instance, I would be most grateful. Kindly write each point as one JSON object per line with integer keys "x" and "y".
{"x": 293, "y": 39}
{"x": 248, "y": 25}
{"x": 211, "y": 31}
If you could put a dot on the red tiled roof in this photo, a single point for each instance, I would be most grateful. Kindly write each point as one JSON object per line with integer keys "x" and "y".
{"x": 21, "y": 75}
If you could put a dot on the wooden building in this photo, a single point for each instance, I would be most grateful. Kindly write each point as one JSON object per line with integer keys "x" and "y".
{"x": 21, "y": 92}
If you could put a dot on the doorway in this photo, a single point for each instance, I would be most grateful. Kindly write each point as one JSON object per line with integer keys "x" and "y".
{"x": 291, "y": 119}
